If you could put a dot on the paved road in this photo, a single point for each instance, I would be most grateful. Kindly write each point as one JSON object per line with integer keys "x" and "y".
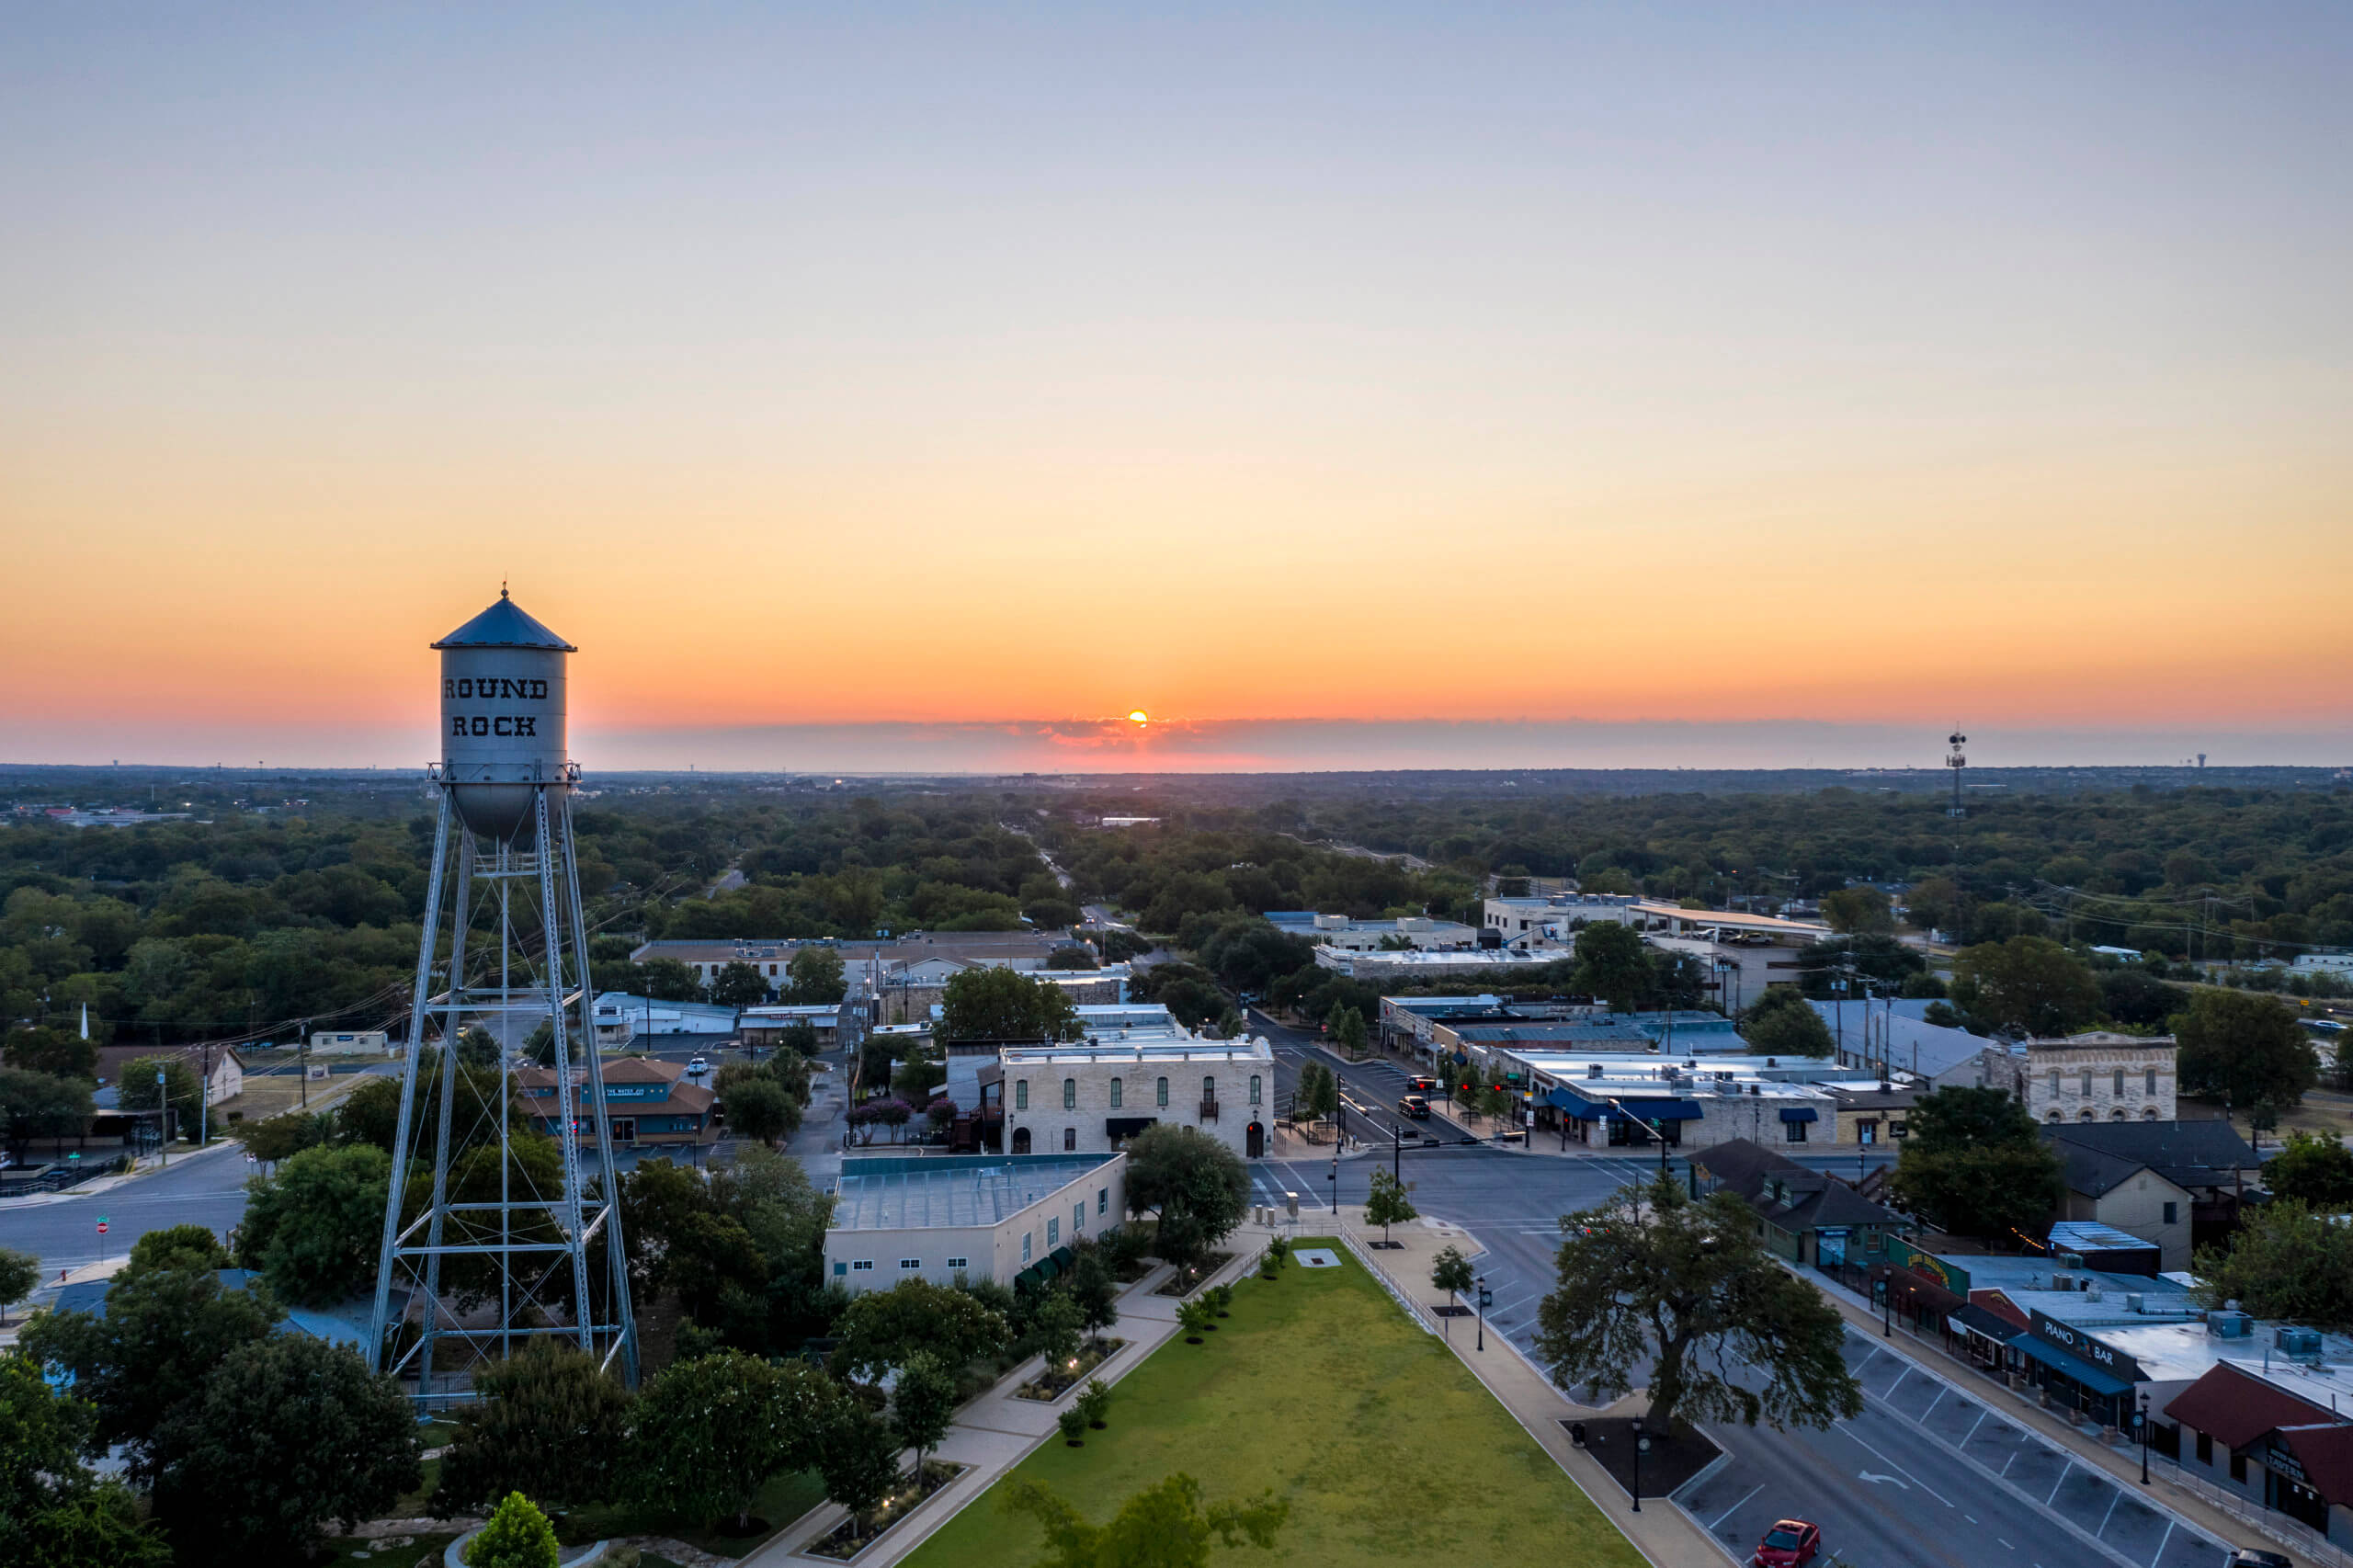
{"x": 207, "y": 1189}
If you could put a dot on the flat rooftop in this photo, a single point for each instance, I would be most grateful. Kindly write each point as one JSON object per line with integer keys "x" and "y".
{"x": 960, "y": 1190}
{"x": 1147, "y": 1050}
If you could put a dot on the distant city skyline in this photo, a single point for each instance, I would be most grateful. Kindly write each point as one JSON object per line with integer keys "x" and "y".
{"x": 1371, "y": 383}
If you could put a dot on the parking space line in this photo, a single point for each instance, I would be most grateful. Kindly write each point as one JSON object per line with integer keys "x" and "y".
{"x": 2159, "y": 1555}
{"x": 1923, "y": 1417}
{"x": 1728, "y": 1512}
{"x": 1974, "y": 1425}
{"x": 2055, "y": 1486}
{"x": 2112, "y": 1501}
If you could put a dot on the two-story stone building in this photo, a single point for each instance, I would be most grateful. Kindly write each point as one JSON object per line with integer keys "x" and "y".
{"x": 2094, "y": 1076}
{"x": 1091, "y": 1098}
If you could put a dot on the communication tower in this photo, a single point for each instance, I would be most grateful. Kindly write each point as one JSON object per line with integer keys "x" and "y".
{"x": 1957, "y": 760}
{"x": 486, "y": 1241}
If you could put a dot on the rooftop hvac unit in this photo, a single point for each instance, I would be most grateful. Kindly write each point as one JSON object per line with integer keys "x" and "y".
{"x": 2071, "y": 1260}
{"x": 2092, "y": 1292}
{"x": 1756, "y": 1089}
{"x": 2298, "y": 1344}
{"x": 2229, "y": 1324}
{"x": 2131, "y": 1300}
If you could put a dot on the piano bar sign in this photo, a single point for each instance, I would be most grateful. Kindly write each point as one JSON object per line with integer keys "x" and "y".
{"x": 2084, "y": 1347}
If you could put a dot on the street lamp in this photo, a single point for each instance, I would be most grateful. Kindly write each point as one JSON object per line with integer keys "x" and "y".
{"x": 1641, "y": 1447}
{"x": 2141, "y": 1419}
{"x": 162, "y": 1117}
{"x": 1887, "y": 1306}
{"x": 1486, "y": 1297}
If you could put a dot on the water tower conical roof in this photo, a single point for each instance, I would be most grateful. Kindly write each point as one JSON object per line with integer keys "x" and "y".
{"x": 504, "y": 625}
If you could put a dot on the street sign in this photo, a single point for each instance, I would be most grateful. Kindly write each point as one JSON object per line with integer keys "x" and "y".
{"x": 102, "y": 1224}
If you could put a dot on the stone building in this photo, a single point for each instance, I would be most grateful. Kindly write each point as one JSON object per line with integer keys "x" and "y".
{"x": 1090, "y": 1100}
{"x": 2095, "y": 1076}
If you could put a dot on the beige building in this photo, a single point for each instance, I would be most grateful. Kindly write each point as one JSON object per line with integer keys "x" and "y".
{"x": 982, "y": 1217}
{"x": 2095, "y": 1076}
{"x": 1090, "y": 1100}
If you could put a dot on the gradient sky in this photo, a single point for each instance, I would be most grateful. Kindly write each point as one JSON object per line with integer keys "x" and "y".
{"x": 1865, "y": 366}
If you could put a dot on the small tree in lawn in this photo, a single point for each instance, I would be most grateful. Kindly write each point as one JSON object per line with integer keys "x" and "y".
{"x": 1164, "y": 1526}
{"x": 923, "y": 1405}
{"x": 1095, "y": 1290}
{"x": 1453, "y": 1276}
{"x": 707, "y": 1434}
{"x": 1095, "y": 1403}
{"x": 1221, "y": 1300}
{"x": 860, "y": 1461}
{"x": 1195, "y": 1319}
{"x": 1688, "y": 1284}
{"x": 517, "y": 1536}
{"x": 548, "y": 1421}
{"x": 1387, "y": 1204}
{"x": 1072, "y": 1423}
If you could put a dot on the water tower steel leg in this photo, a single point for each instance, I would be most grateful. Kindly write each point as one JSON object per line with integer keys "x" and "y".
{"x": 616, "y": 1252}
{"x": 568, "y": 1106}
{"x": 424, "y": 988}
{"x": 460, "y": 917}
{"x": 506, "y": 1115}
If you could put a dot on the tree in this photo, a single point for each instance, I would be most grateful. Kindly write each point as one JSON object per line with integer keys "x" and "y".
{"x": 1076, "y": 956}
{"x": 1687, "y": 1283}
{"x": 61, "y": 1053}
{"x": 883, "y": 1329}
{"x": 922, "y": 1403}
{"x": 314, "y": 1226}
{"x": 2313, "y": 1170}
{"x": 517, "y": 1535}
{"x": 1936, "y": 904}
{"x": 175, "y": 1247}
{"x": 1858, "y": 909}
{"x": 859, "y": 1461}
{"x": 1198, "y": 1185}
{"x": 2244, "y": 1047}
{"x": 1093, "y": 1287}
{"x": 479, "y": 1048}
{"x": 1613, "y": 963}
{"x": 739, "y": 984}
{"x": 136, "y": 1089}
{"x": 288, "y": 1433}
{"x": 814, "y": 978}
{"x": 548, "y": 1421}
{"x": 279, "y": 1137}
{"x": 1451, "y": 1272}
{"x": 667, "y": 980}
{"x": 1348, "y": 1028}
{"x": 759, "y": 1108}
{"x": 1974, "y": 1162}
{"x": 2136, "y": 998}
{"x": 1495, "y": 1101}
{"x": 1165, "y": 1525}
{"x": 163, "y": 1333}
{"x": 2029, "y": 982}
{"x": 34, "y": 1105}
{"x": 1196, "y": 1319}
{"x": 370, "y": 1113}
{"x": 53, "y": 1510}
{"x": 1053, "y": 1329}
{"x": 2288, "y": 1261}
{"x": 1783, "y": 1023}
{"x": 1387, "y": 1204}
{"x": 707, "y": 1434}
{"x": 19, "y": 1275}
{"x": 1003, "y": 1003}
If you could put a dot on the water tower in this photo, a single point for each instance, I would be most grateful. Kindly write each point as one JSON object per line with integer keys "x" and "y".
{"x": 486, "y": 1243}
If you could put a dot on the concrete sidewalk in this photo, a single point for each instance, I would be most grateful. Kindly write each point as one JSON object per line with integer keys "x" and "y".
{"x": 147, "y": 1165}
{"x": 998, "y": 1429}
{"x": 1663, "y": 1534}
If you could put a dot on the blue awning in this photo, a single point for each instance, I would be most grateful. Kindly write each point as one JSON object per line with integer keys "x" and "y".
{"x": 1797, "y": 1113}
{"x": 1662, "y": 1110}
{"x": 2089, "y": 1376}
{"x": 1575, "y": 1104}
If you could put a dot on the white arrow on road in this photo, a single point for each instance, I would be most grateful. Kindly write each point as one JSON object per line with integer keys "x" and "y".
{"x": 1875, "y": 1479}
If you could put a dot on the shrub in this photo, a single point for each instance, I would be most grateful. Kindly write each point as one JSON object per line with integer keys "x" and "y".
{"x": 1074, "y": 1425}
{"x": 517, "y": 1536}
{"x": 1094, "y": 1403}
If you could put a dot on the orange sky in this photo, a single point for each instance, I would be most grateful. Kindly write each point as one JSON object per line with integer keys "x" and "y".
{"x": 1671, "y": 387}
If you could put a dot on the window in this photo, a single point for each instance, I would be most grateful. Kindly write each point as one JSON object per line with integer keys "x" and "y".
{"x": 1021, "y": 1094}
{"x": 2149, "y": 1081}
{"x": 863, "y": 1265}
{"x": 1164, "y": 1092}
{"x": 1102, "y": 1199}
{"x": 1077, "y": 1216}
{"x": 1070, "y": 1139}
{"x": 1053, "y": 1233}
{"x": 1794, "y": 1132}
{"x": 2088, "y": 1085}
{"x": 1070, "y": 1093}
{"x": 2238, "y": 1467}
{"x": 2205, "y": 1449}
{"x": 1255, "y": 1087}
{"x": 910, "y": 1263}
{"x": 841, "y": 1268}
{"x": 2054, "y": 1081}
{"x": 1116, "y": 1099}
{"x": 959, "y": 1263}
{"x": 2120, "y": 1079}
{"x": 1024, "y": 1247}
{"x": 2173, "y": 1213}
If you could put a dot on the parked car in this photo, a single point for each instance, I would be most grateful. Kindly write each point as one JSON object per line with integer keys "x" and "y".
{"x": 1791, "y": 1544}
{"x": 1422, "y": 1085}
{"x": 1415, "y": 1105}
{"x": 2247, "y": 1557}
{"x": 698, "y": 1067}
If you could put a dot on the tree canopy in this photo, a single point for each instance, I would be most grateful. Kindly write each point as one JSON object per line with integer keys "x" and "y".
{"x": 1198, "y": 1187}
{"x": 1164, "y": 1526}
{"x": 707, "y": 1434}
{"x": 1783, "y": 1023}
{"x": 2288, "y": 1261}
{"x": 1005, "y": 1003}
{"x": 1974, "y": 1162}
{"x": 2244, "y": 1048}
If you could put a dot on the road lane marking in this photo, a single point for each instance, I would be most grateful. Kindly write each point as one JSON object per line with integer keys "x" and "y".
{"x": 2112, "y": 1501}
{"x": 2005, "y": 1545}
{"x": 2058, "y": 1483}
{"x": 2159, "y": 1555}
{"x": 1974, "y": 1425}
{"x": 1744, "y": 1497}
{"x": 1897, "y": 1468}
{"x": 1923, "y": 1417}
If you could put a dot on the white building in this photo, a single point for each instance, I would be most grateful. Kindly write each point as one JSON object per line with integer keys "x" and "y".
{"x": 1554, "y": 922}
{"x": 351, "y": 1042}
{"x": 980, "y": 1216}
{"x": 1090, "y": 1100}
{"x": 2094, "y": 1076}
{"x": 621, "y": 1018}
{"x": 1368, "y": 936}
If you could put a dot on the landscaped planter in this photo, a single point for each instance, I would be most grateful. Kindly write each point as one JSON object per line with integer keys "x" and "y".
{"x": 1054, "y": 1382}
{"x": 852, "y": 1536}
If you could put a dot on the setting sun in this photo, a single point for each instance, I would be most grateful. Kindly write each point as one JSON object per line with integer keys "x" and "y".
{"x": 1138, "y": 716}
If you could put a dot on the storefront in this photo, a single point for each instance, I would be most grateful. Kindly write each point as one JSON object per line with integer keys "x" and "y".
{"x": 2093, "y": 1379}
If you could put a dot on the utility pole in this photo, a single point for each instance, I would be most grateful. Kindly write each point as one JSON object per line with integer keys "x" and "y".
{"x": 164, "y": 1117}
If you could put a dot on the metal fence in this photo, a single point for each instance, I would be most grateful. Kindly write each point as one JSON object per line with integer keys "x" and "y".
{"x": 2292, "y": 1533}
{"x": 1389, "y": 1282}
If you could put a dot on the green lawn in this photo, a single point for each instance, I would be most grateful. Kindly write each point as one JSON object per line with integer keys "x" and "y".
{"x": 1319, "y": 1387}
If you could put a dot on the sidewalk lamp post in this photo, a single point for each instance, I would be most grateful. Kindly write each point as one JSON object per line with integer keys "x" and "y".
{"x": 162, "y": 1117}
{"x": 1486, "y": 1300}
{"x": 1641, "y": 1447}
{"x": 1887, "y": 1306}
{"x": 2141, "y": 1419}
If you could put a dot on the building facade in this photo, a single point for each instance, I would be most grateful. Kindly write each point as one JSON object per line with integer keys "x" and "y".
{"x": 978, "y": 1217}
{"x": 2095, "y": 1076}
{"x": 647, "y": 1101}
{"x": 1091, "y": 1099}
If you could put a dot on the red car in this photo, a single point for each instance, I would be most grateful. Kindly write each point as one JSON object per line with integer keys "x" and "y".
{"x": 1791, "y": 1544}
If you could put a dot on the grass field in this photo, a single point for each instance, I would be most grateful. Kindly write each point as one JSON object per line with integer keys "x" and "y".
{"x": 1319, "y": 1387}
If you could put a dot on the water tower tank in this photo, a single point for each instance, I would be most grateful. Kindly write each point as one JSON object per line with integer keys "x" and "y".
{"x": 502, "y": 717}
